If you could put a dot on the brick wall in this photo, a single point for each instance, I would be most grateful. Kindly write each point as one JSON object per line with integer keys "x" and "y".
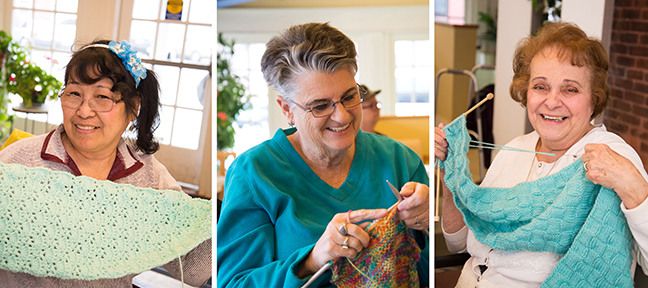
{"x": 627, "y": 113}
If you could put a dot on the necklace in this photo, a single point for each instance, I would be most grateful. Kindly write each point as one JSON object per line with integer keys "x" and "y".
{"x": 554, "y": 164}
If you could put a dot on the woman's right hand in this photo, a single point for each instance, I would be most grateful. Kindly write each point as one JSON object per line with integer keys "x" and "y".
{"x": 440, "y": 143}
{"x": 329, "y": 246}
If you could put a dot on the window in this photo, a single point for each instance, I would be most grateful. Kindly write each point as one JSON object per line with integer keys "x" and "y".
{"x": 412, "y": 75}
{"x": 181, "y": 55}
{"x": 49, "y": 27}
{"x": 253, "y": 122}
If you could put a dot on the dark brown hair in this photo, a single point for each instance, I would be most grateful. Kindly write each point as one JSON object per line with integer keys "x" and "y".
{"x": 91, "y": 64}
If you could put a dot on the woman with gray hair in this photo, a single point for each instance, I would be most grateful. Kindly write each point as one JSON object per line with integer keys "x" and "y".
{"x": 298, "y": 201}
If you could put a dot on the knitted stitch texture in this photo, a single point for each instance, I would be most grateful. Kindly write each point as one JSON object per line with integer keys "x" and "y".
{"x": 389, "y": 261}
{"x": 56, "y": 224}
{"x": 563, "y": 213}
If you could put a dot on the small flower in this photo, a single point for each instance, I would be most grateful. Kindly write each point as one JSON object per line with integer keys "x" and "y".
{"x": 222, "y": 115}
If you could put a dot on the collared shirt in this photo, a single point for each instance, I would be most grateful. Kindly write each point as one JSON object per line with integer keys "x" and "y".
{"x": 126, "y": 160}
{"x": 130, "y": 167}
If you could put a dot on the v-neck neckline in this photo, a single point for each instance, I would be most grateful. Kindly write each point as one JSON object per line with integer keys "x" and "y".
{"x": 350, "y": 184}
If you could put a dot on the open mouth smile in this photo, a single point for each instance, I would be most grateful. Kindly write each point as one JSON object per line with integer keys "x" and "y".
{"x": 80, "y": 127}
{"x": 553, "y": 118}
{"x": 338, "y": 129}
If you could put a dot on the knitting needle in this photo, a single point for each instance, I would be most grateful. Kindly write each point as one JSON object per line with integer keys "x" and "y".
{"x": 438, "y": 193}
{"x": 395, "y": 191}
{"x": 488, "y": 97}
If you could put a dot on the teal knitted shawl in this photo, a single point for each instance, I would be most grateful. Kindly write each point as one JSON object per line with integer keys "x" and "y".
{"x": 55, "y": 224}
{"x": 563, "y": 213}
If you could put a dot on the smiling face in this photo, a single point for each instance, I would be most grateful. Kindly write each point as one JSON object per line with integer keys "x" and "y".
{"x": 559, "y": 100}
{"x": 90, "y": 132}
{"x": 337, "y": 132}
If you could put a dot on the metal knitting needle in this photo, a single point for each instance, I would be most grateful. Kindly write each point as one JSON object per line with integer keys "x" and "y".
{"x": 488, "y": 97}
{"x": 397, "y": 194}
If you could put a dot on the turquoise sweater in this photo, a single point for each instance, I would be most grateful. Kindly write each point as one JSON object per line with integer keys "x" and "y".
{"x": 276, "y": 208}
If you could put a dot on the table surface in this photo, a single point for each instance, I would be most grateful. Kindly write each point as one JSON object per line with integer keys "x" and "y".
{"x": 34, "y": 109}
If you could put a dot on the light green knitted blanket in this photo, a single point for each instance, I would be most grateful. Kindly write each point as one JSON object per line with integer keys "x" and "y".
{"x": 56, "y": 224}
{"x": 563, "y": 213}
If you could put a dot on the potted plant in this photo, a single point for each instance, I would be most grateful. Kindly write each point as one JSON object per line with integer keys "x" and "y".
{"x": 6, "y": 45}
{"x": 5, "y": 42}
{"x": 27, "y": 79}
{"x": 231, "y": 97}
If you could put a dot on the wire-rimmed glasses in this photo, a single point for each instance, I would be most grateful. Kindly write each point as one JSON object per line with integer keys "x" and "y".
{"x": 327, "y": 108}
{"x": 99, "y": 104}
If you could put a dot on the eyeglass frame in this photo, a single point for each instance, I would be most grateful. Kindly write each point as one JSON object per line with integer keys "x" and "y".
{"x": 88, "y": 100}
{"x": 361, "y": 91}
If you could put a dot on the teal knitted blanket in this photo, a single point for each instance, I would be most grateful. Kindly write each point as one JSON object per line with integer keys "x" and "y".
{"x": 59, "y": 225}
{"x": 563, "y": 213}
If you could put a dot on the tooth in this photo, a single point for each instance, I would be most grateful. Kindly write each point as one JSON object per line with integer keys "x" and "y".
{"x": 338, "y": 129}
{"x": 553, "y": 118}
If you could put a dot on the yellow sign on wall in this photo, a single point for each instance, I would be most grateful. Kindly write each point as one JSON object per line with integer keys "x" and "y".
{"x": 174, "y": 10}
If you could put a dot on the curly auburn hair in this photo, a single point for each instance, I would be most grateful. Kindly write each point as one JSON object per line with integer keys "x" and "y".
{"x": 571, "y": 44}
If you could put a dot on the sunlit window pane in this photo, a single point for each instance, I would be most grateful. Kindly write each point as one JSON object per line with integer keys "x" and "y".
{"x": 186, "y": 134}
{"x": 42, "y": 58}
{"x": 163, "y": 133}
{"x": 197, "y": 45}
{"x": 23, "y": 3}
{"x": 423, "y": 53}
{"x": 202, "y": 11}
{"x": 240, "y": 59}
{"x": 43, "y": 29}
{"x": 21, "y": 26}
{"x": 169, "y": 42}
{"x": 67, "y": 5}
{"x": 412, "y": 77}
{"x": 251, "y": 125}
{"x": 65, "y": 31}
{"x": 142, "y": 38}
{"x": 403, "y": 53}
{"x": 44, "y": 4}
{"x": 168, "y": 78}
{"x": 189, "y": 86}
{"x": 55, "y": 113}
{"x": 146, "y": 9}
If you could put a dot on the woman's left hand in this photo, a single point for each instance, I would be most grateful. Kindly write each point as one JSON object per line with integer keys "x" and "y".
{"x": 414, "y": 209}
{"x": 608, "y": 168}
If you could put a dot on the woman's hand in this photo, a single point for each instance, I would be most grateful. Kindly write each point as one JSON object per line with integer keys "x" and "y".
{"x": 330, "y": 245}
{"x": 414, "y": 210}
{"x": 440, "y": 143}
{"x": 608, "y": 168}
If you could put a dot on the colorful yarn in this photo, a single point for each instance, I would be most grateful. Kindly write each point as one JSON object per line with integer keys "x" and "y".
{"x": 389, "y": 261}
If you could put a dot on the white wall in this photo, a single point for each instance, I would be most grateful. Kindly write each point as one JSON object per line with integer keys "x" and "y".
{"x": 372, "y": 28}
{"x": 513, "y": 24}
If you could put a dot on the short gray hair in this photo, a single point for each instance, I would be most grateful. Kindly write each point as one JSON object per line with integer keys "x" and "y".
{"x": 306, "y": 47}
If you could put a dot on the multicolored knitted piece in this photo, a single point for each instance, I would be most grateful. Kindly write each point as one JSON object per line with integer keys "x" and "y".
{"x": 389, "y": 261}
{"x": 55, "y": 224}
{"x": 563, "y": 213}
